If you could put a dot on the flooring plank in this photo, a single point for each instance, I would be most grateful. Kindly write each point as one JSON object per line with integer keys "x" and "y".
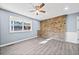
{"x": 33, "y": 47}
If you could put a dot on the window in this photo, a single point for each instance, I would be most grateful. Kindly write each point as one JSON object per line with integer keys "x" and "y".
{"x": 27, "y": 26}
{"x": 19, "y": 25}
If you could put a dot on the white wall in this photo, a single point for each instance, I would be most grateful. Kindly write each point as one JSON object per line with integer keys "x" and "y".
{"x": 71, "y": 37}
{"x": 71, "y": 33}
{"x": 78, "y": 27}
{"x": 0, "y": 29}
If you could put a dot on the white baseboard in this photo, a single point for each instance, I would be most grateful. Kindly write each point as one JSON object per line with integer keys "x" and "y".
{"x": 16, "y": 41}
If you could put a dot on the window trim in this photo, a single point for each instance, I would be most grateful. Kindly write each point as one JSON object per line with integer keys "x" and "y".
{"x": 13, "y": 18}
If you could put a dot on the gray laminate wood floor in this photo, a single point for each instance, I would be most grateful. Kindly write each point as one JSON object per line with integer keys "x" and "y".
{"x": 39, "y": 46}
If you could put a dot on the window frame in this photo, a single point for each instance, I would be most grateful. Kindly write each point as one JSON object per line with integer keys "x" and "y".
{"x": 19, "y": 19}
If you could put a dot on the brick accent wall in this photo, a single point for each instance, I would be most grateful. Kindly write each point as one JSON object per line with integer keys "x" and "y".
{"x": 52, "y": 27}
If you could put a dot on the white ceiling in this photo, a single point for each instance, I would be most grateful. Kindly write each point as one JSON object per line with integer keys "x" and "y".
{"x": 52, "y": 9}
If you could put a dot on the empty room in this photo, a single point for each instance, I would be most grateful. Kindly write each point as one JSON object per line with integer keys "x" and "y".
{"x": 39, "y": 28}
